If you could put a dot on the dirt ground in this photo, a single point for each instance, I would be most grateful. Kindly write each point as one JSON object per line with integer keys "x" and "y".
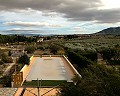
{"x": 40, "y": 52}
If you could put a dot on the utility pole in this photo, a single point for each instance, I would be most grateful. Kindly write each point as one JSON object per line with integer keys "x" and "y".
{"x": 16, "y": 60}
{"x": 38, "y": 87}
{"x": 15, "y": 65}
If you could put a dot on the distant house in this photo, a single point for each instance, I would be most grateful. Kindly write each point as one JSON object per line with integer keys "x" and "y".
{"x": 40, "y": 40}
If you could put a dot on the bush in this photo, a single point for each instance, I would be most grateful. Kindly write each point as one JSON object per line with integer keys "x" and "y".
{"x": 1, "y": 62}
{"x": 60, "y": 52}
{"x": 92, "y": 55}
{"x": 6, "y": 59}
{"x": 97, "y": 80}
{"x": 30, "y": 49}
{"x": 54, "y": 48}
{"x": 6, "y": 81}
{"x": 79, "y": 60}
{"x": 9, "y": 60}
{"x": 24, "y": 60}
{"x": 42, "y": 48}
{"x": 114, "y": 62}
{"x": 45, "y": 54}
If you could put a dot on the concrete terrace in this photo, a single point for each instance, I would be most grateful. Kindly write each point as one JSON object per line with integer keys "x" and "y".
{"x": 48, "y": 68}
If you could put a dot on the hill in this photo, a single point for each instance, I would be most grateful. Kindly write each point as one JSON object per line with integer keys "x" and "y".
{"x": 110, "y": 31}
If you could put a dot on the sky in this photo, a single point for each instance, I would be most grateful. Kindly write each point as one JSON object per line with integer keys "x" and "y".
{"x": 58, "y": 16}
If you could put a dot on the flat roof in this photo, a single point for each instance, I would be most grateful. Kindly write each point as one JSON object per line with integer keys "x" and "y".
{"x": 48, "y": 68}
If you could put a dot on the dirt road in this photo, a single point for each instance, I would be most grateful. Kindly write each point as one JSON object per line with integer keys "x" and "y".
{"x": 6, "y": 72}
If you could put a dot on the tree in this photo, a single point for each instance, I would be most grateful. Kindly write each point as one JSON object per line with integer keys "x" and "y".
{"x": 111, "y": 55}
{"x": 70, "y": 36}
{"x": 41, "y": 48}
{"x": 79, "y": 59}
{"x": 1, "y": 62}
{"x": 3, "y": 57}
{"x": 97, "y": 80}
{"x": 89, "y": 54}
{"x": 6, "y": 81}
{"x": 70, "y": 90}
{"x": 30, "y": 49}
{"x": 24, "y": 60}
{"x": 54, "y": 48}
{"x": 6, "y": 59}
{"x": 76, "y": 79}
{"x": 60, "y": 52}
{"x": 107, "y": 54}
{"x": 9, "y": 53}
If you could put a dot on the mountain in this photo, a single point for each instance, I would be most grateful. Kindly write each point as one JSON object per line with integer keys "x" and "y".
{"x": 110, "y": 31}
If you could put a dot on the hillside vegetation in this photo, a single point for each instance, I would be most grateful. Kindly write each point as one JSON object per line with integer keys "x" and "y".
{"x": 110, "y": 31}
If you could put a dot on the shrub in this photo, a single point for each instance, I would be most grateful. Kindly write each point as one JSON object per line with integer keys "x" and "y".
{"x": 30, "y": 49}
{"x": 24, "y": 60}
{"x": 79, "y": 60}
{"x": 7, "y": 59}
{"x": 1, "y": 62}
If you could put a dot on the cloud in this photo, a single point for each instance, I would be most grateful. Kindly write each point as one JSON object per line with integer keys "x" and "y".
{"x": 47, "y": 13}
{"x": 21, "y": 29}
{"x": 74, "y": 10}
{"x": 16, "y": 29}
{"x": 34, "y": 4}
{"x": 29, "y": 24}
{"x": 78, "y": 29}
{"x": 99, "y": 16}
{"x": 52, "y": 5}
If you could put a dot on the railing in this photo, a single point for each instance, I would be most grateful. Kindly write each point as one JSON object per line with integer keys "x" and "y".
{"x": 65, "y": 58}
{"x": 47, "y": 55}
{"x": 72, "y": 67}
